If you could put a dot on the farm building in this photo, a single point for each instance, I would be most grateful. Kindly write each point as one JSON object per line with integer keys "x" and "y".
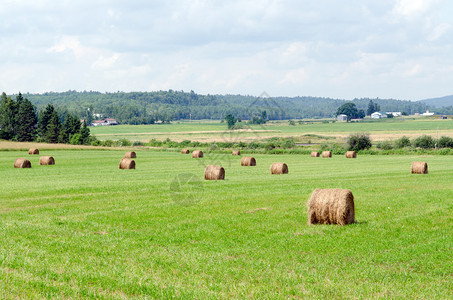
{"x": 104, "y": 122}
{"x": 342, "y": 118}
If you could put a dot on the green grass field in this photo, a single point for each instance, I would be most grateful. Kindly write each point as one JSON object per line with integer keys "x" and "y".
{"x": 216, "y": 131}
{"x": 85, "y": 229}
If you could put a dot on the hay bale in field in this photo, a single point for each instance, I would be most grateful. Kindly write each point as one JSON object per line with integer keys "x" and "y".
{"x": 126, "y": 163}
{"x": 279, "y": 168}
{"x": 214, "y": 173}
{"x": 130, "y": 154}
{"x": 351, "y": 154}
{"x": 46, "y": 160}
{"x": 419, "y": 167}
{"x": 248, "y": 161}
{"x": 315, "y": 154}
{"x": 326, "y": 154}
{"x": 22, "y": 163}
{"x": 185, "y": 151}
{"x": 33, "y": 151}
{"x": 197, "y": 154}
{"x": 331, "y": 206}
{"x": 236, "y": 152}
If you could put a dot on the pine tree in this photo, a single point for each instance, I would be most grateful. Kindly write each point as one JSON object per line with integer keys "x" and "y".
{"x": 26, "y": 121}
{"x": 44, "y": 119}
{"x": 85, "y": 134}
{"x": 53, "y": 129}
{"x": 8, "y": 112}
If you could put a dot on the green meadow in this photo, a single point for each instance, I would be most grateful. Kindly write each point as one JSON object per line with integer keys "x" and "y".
{"x": 216, "y": 131}
{"x": 85, "y": 229}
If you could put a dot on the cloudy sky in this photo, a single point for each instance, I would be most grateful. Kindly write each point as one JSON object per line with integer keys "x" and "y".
{"x": 399, "y": 49}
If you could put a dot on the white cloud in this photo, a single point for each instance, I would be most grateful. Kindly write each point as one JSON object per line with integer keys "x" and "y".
{"x": 324, "y": 48}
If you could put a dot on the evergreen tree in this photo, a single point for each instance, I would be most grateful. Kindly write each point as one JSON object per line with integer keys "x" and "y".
{"x": 26, "y": 121}
{"x": 44, "y": 119}
{"x": 8, "y": 112}
{"x": 53, "y": 129}
{"x": 85, "y": 134}
{"x": 370, "y": 108}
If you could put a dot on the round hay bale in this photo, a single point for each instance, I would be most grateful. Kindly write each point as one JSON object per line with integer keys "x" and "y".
{"x": 197, "y": 154}
{"x": 214, "y": 173}
{"x": 46, "y": 160}
{"x": 315, "y": 154}
{"x": 331, "y": 206}
{"x": 130, "y": 154}
{"x": 22, "y": 163}
{"x": 33, "y": 151}
{"x": 236, "y": 152}
{"x": 351, "y": 154}
{"x": 279, "y": 168}
{"x": 126, "y": 163}
{"x": 185, "y": 151}
{"x": 326, "y": 154}
{"x": 248, "y": 161}
{"x": 419, "y": 167}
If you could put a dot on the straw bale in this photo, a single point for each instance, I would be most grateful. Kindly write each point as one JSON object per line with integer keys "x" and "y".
{"x": 197, "y": 154}
{"x": 279, "y": 168}
{"x": 126, "y": 163}
{"x": 419, "y": 167}
{"x": 46, "y": 160}
{"x": 248, "y": 161}
{"x": 214, "y": 173}
{"x": 331, "y": 206}
{"x": 22, "y": 163}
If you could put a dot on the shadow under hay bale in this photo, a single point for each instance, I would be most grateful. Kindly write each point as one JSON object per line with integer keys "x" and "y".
{"x": 46, "y": 160}
{"x": 351, "y": 154}
{"x": 419, "y": 167}
{"x": 279, "y": 168}
{"x": 130, "y": 154}
{"x": 22, "y": 163}
{"x": 185, "y": 151}
{"x": 315, "y": 154}
{"x": 33, "y": 151}
{"x": 326, "y": 154}
{"x": 127, "y": 164}
{"x": 331, "y": 206}
{"x": 248, "y": 161}
{"x": 197, "y": 154}
{"x": 214, "y": 173}
{"x": 236, "y": 152}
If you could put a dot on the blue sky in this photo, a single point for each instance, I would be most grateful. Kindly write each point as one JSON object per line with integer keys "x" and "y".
{"x": 399, "y": 49}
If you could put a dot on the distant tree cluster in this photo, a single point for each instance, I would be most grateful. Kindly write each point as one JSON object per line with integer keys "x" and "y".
{"x": 372, "y": 107}
{"x": 20, "y": 122}
{"x": 350, "y": 110}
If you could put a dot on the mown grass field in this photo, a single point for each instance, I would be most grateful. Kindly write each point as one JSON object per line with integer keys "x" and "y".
{"x": 85, "y": 229}
{"x": 215, "y": 131}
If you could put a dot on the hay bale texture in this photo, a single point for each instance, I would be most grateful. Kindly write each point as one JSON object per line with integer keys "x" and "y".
{"x": 279, "y": 168}
{"x": 331, "y": 206}
{"x": 326, "y": 154}
{"x": 351, "y": 154}
{"x": 236, "y": 152}
{"x": 315, "y": 154}
{"x": 130, "y": 154}
{"x": 214, "y": 173}
{"x": 46, "y": 160}
{"x": 248, "y": 161}
{"x": 22, "y": 163}
{"x": 126, "y": 163}
{"x": 33, "y": 151}
{"x": 197, "y": 154}
{"x": 419, "y": 167}
{"x": 185, "y": 151}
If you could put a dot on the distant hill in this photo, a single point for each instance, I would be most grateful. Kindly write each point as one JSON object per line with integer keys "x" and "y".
{"x": 149, "y": 107}
{"x": 439, "y": 102}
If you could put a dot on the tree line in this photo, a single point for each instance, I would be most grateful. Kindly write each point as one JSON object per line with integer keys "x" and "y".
{"x": 167, "y": 106}
{"x": 19, "y": 121}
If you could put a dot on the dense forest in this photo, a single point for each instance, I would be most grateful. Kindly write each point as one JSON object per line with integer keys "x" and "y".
{"x": 20, "y": 121}
{"x": 166, "y": 106}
